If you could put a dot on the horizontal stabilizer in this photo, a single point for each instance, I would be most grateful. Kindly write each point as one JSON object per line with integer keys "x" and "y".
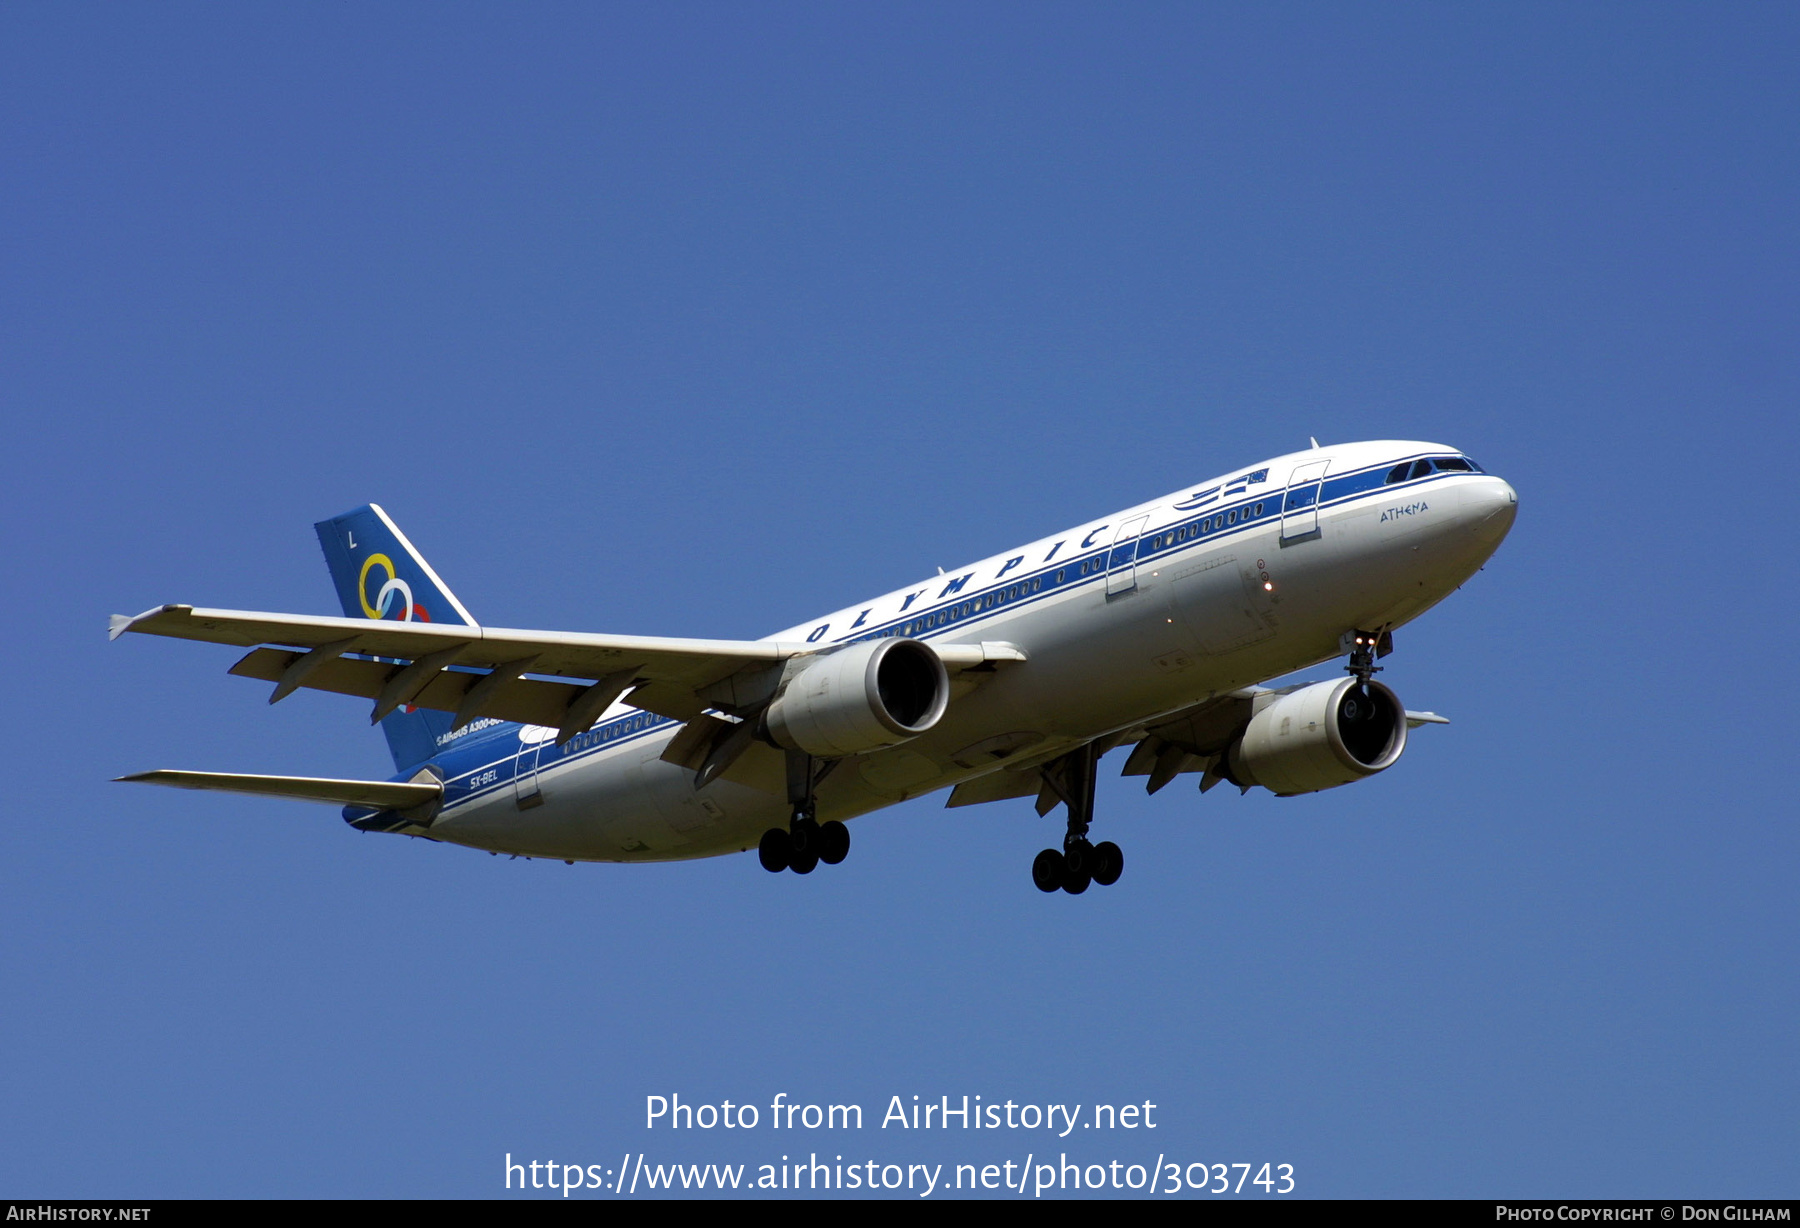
{"x": 381, "y": 794}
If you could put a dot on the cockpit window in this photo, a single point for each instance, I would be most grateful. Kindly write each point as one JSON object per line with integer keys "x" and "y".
{"x": 1454, "y": 462}
{"x": 1421, "y": 468}
{"x": 1397, "y": 474}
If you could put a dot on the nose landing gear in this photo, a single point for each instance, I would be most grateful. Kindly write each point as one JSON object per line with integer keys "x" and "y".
{"x": 1366, "y": 647}
{"x": 1079, "y": 862}
{"x": 806, "y": 842}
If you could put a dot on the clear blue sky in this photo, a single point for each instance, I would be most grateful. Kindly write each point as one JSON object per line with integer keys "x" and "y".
{"x": 701, "y": 320}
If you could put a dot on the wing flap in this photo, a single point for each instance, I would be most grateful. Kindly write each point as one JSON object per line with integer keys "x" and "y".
{"x": 995, "y": 787}
{"x": 529, "y": 701}
{"x": 380, "y": 794}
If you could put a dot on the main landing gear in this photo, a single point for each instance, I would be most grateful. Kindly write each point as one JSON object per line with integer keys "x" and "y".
{"x": 806, "y": 842}
{"x": 1079, "y": 862}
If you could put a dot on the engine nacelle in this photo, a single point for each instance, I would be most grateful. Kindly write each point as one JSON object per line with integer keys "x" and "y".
{"x": 861, "y": 698}
{"x": 1321, "y": 736}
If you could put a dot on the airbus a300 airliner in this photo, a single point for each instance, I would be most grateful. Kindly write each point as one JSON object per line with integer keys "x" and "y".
{"x": 1009, "y": 678}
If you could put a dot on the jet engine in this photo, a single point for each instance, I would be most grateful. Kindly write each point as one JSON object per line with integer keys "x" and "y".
{"x": 860, "y": 698}
{"x": 1319, "y": 737}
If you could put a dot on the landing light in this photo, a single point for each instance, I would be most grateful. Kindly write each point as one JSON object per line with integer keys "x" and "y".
{"x": 1268, "y": 586}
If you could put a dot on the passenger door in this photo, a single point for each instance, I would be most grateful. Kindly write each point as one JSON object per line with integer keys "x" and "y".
{"x": 525, "y": 768}
{"x": 1300, "y": 506}
{"x": 1121, "y": 567}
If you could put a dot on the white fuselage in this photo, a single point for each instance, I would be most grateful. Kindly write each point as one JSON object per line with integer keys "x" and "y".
{"x": 1122, "y": 620}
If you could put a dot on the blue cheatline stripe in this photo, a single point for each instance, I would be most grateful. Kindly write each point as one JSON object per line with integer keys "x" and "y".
{"x": 618, "y": 732}
{"x": 1220, "y": 523}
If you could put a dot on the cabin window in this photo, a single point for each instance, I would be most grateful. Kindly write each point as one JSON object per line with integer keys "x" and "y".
{"x": 1231, "y": 516}
{"x": 1259, "y": 509}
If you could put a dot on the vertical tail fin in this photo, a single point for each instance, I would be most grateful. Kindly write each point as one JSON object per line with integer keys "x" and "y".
{"x": 379, "y": 574}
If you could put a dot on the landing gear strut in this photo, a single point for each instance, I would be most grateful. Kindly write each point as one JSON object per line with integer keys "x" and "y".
{"x": 1367, "y": 647}
{"x": 1079, "y": 862}
{"x": 806, "y": 842}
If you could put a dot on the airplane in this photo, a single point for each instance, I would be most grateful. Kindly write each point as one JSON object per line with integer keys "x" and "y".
{"x": 1153, "y": 627}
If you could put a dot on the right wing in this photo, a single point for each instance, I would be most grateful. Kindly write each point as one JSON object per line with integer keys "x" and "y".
{"x": 431, "y": 665}
{"x": 413, "y": 663}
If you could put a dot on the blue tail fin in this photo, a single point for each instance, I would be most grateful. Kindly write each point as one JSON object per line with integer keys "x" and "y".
{"x": 379, "y": 575}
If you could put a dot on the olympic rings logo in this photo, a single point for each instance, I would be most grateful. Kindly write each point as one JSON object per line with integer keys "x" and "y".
{"x": 392, "y": 588}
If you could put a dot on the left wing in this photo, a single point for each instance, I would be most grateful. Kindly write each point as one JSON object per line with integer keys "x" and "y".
{"x": 1195, "y": 739}
{"x": 1191, "y": 740}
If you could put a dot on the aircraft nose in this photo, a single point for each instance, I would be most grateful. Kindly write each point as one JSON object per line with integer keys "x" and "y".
{"x": 1489, "y": 505}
